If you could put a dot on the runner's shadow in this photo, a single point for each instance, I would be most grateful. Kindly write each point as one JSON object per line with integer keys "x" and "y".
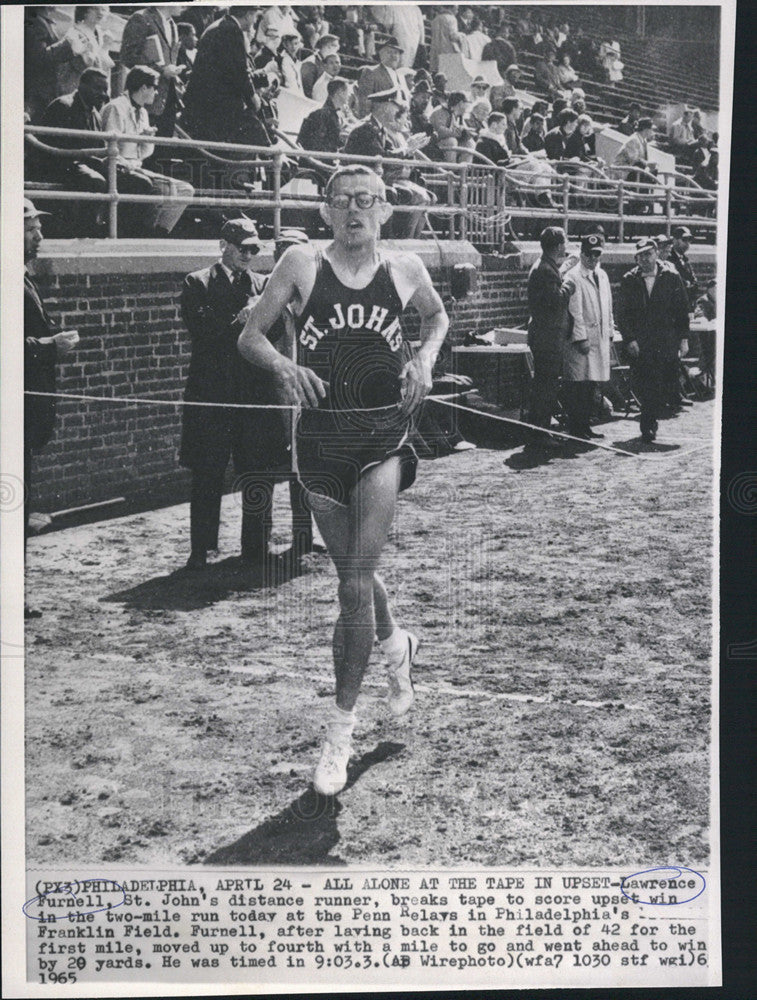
{"x": 639, "y": 447}
{"x": 306, "y": 831}
{"x": 188, "y": 591}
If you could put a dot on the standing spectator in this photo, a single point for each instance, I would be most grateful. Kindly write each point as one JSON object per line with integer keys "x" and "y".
{"x": 151, "y": 38}
{"x": 215, "y": 304}
{"x": 477, "y": 120}
{"x": 267, "y": 56}
{"x": 323, "y": 128}
{"x": 187, "y": 49}
{"x": 501, "y": 50}
{"x": 89, "y": 45}
{"x": 629, "y": 124}
{"x": 280, "y": 19}
{"x": 331, "y": 68}
{"x": 312, "y": 67}
{"x": 706, "y": 171}
{"x": 289, "y": 64}
{"x": 479, "y": 89}
{"x": 635, "y": 153}
{"x": 128, "y": 114}
{"x": 46, "y": 49}
{"x": 385, "y": 76}
{"x": 449, "y": 127}
{"x": 533, "y": 133}
{"x": 491, "y": 140}
{"x": 546, "y": 75}
{"x": 475, "y": 41}
{"x": 405, "y": 22}
{"x": 680, "y": 261}
{"x": 697, "y": 126}
{"x": 609, "y": 56}
{"x": 372, "y": 139}
{"x": 42, "y": 349}
{"x": 548, "y": 325}
{"x": 219, "y": 101}
{"x": 585, "y": 55}
{"x": 445, "y": 36}
{"x": 653, "y": 317}
{"x": 586, "y": 360}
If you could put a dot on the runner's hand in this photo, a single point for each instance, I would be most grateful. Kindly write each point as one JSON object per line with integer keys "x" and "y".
{"x": 416, "y": 383}
{"x": 297, "y": 384}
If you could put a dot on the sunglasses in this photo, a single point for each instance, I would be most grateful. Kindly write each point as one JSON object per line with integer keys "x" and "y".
{"x": 252, "y": 250}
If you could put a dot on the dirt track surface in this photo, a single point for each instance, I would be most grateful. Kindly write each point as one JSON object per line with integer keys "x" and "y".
{"x": 563, "y": 683}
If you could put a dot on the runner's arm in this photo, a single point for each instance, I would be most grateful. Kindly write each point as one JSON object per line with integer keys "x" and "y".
{"x": 434, "y": 324}
{"x": 294, "y": 383}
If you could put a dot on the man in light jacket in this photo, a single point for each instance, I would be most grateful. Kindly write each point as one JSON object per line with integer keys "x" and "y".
{"x": 586, "y": 358}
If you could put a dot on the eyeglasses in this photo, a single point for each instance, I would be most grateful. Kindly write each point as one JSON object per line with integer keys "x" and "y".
{"x": 362, "y": 200}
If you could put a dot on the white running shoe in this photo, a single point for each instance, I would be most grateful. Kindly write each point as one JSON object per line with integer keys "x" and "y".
{"x": 401, "y": 692}
{"x": 465, "y": 446}
{"x": 331, "y": 773}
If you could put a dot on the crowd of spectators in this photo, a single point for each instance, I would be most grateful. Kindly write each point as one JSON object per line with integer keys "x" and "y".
{"x": 217, "y": 73}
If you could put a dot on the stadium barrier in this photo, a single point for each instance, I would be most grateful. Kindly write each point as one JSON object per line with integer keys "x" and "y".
{"x": 474, "y": 200}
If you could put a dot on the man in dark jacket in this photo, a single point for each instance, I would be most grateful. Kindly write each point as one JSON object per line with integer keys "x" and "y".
{"x": 215, "y": 304}
{"x": 46, "y": 48}
{"x": 680, "y": 261}
{"x": 322, "y": 129}
{"x": 653, "y": 317}
{"x": 219, "y": 99}
{"x": 555, "y": 141}
{"x": 548, "y": 297}
{"x": 42, "y": 349}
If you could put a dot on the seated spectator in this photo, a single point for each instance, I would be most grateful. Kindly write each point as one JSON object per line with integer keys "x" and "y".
{"x": 89, "y": 46}
{"x": 501, "y": 50}
{"x": 465, "y": 19}
{"x": 439, "y": 95}
{"x": 491, "y": 140}
{"x": 420, "y": 101}
{"x": 187, "y": 48}
{"x": 706, "y": 173}
{"x": 475, "y": 41}
{"x": 706, "y": 305}
{"x": 556, "y": 140}
{"x": 289, "y": 64}
{"x": 609, "y": 55}
{"x": 128, "y": 115}
{"x": 324, "y": 129}
{"x": 697, "y": 126}
{"x": 558, "y": 106}
{"x": 267, "y": 56}
{"x": 582, "y": 143}
{"x": 385, "y": 76}
{"x": 628, "y": 125}
{"x": 449, "y": 128}
{"x": 332, "y": 66}
{"x": 445, "y": 36}
{"x": 635, "y": 151}
{"x": 266, "y": 87}
{"x": 682, "y": 141}
{"x": 478, "y": 118}
{"x": 511, "y": 81}
{"x": 533, "y": 133}
{"x": 511, "y": 110}
{"x": 151, "y": 38}
{"x": 565, "y": 72}
{"x": 312, "y": 67}
{"x": 578, "y": 101}
{"x": 371, "y": 138}
{"x": 546, "y": 76}
{"x": 479, "y": 89}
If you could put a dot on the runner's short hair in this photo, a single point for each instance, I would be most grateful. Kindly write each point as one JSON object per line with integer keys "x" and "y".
{"x": 354, "y": 170}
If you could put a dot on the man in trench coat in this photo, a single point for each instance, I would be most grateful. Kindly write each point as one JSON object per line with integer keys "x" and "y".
{"x": 586, "y": 358}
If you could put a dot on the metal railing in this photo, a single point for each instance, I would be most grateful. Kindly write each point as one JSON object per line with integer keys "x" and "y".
{"x": 474, "y": 200}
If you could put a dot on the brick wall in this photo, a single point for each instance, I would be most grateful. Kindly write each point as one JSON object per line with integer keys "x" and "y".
{"x": 133, "y": 344}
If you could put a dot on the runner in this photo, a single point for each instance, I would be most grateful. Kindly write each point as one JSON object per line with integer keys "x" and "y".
{"x": 359, "y": 389}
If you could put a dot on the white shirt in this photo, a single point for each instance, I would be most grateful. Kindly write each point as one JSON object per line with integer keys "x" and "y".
{"x": 120, "y": 115}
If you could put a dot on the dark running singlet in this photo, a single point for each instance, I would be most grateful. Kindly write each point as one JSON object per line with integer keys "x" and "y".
{"x": 352, "y": 339}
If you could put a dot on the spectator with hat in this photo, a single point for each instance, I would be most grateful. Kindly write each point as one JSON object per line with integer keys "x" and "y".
{"x": 215, "y": 304}
{"x": 664, "y": 246}
{"x": 680, "y": 261}
{"x": 653, "y": 318}
{"x": 312, "y": 67}
{"x": 586, "y": 360}
{"x": 385, "y": 76}
{"x": 479, "y": 89}
{"x": 372, "y": 138}
{"x": 44, "y": 346}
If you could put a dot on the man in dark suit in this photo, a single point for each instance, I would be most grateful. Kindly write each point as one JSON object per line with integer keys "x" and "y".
{"x": 151, "y": 38}
{"x": 653, "y": 317}
{"x": 548, "y": 297}
{"x": 79, "y": 110}
{"x": 220, "y": 97}
{"x": 42, "y": 349}
{"x": 556, "y": 140}
{"x": 680, "y": 261}
{"x": 46, "y": 48}
{"x": 215, "y": 304}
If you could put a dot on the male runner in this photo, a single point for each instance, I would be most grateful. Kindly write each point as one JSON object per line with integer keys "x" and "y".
{"x": 359, "y": 391}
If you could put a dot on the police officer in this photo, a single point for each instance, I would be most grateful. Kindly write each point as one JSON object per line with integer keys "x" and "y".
{"x": 680, "y": 261}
